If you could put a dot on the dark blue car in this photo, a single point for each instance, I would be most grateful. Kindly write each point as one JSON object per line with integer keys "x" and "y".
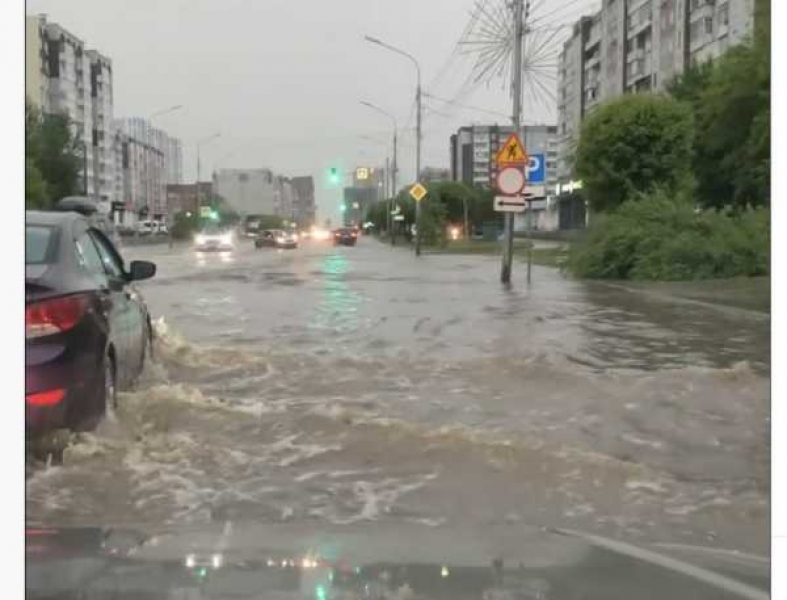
{"x": 87, "y": 329}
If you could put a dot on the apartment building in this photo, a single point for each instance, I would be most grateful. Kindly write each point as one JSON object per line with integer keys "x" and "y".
{"x": 173, "y": 157}
{"x": 65, "y": 77}
{"x": 434, "y": 175}
{"x": 305, "y": 209}
{"x": 36, "y": 79}
{"x": 147, "y": 159}
{"x": 474, "y": 151}
{"x": 633, "y": 46}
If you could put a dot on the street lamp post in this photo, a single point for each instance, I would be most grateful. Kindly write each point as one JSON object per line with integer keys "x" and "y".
{"x": 419, "y": 113}
{"x": 395, "y": 164}
{"x": 149, "y": 128}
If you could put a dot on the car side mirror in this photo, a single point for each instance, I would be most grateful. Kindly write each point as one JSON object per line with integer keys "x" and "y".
{"x": 141, "y": 269}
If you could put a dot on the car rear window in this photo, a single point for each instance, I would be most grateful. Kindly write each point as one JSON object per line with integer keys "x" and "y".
{"x": 38, "y": 239}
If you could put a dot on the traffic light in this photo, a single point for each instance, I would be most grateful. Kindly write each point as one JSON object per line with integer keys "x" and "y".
{"x": 335, "y": 175}
{"x": 343, "y": 207}
{"x": 214, "y": 215}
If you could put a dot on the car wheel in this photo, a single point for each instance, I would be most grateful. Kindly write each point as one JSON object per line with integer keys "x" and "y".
{"x": 86, "y": 418}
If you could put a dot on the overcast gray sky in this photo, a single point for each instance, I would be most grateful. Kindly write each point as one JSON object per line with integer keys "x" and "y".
{"x": 282, "y": 79}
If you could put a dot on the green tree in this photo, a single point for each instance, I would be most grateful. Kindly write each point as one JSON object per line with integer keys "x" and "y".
{"x": 730, "y": 99}
{"x": 53, "y": 157}
{"x": 633, "y": 144}
{"x": 36, "y": 197}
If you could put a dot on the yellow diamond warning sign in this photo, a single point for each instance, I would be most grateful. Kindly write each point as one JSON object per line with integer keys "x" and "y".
{"x": 418, "y": 192}
{"x": 512, "y": 152}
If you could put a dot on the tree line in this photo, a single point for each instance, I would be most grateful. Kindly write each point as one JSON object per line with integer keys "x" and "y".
{"x": 54, "y": 158}
{"x": 679, "y": 183}
{"x": 448, "y": 203}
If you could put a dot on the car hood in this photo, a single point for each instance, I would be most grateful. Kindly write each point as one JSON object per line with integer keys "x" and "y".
{"x": 242, "y": 561}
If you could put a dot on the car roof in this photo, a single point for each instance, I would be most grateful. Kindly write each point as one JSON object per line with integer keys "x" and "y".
{"x": 52, "y": 218}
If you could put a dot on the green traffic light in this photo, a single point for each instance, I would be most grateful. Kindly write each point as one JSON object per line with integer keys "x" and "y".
{"x": 320, "y": 593}
{"x": 342, "y": 208}
{"x": 334, "y": 175}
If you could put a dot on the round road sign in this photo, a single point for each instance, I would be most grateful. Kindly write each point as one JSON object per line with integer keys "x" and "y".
{"x": 511, "y": 181}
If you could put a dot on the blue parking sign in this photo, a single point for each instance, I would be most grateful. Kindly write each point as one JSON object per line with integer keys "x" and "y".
{"x": 536, "y": 170}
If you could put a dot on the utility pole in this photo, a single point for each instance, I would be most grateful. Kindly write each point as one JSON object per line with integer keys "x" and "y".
{"x": 393, "y": 190}
{"x": 519, "y": 34}
{"x": 417, "y": 135}
{"x": 418, "y": 166}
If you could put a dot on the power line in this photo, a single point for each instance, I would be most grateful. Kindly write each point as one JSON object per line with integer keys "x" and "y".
{"x": 467, "y": 106}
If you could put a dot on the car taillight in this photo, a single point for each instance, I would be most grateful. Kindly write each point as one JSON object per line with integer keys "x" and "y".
{"x": 53, "y": 316}
{"x": 48, "y": 398}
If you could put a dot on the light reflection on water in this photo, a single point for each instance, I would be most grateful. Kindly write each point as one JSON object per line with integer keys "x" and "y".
{"x": 339, "y": 305}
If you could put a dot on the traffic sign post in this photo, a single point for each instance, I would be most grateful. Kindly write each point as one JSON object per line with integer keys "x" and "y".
{"x": 511, "y": 181}
{"x": 512, "y": 161}
{"x": 510, "y": 204}
{"x": 418, "y": 192}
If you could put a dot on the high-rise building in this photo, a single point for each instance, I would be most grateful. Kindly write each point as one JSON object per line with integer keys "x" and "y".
{"x": 474, "y": 151}
{"x": 635, "y": 46}
{"x": 66, "y": 78}
{"x": 148, "y": 159}
{"x": 36, "y": 72}
{"x": 434, "y": 175}
{"x": 173, "y": 156}
{"x": 305, "y": 209}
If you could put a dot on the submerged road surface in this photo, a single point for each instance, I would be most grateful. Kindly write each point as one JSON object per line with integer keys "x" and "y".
{"x": 363, "y": 388}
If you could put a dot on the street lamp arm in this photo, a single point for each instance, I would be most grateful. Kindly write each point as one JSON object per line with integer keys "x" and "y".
{"x": 398, "y": 51}
{"x": 165, "y": 111}
{"x": 381, "y": 111}
{"x": 208, "y": 139}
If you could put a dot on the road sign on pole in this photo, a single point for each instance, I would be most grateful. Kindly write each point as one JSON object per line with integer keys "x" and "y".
{"x": 418, "y": 192}
{"x": 512, "y": 152}
{"x": 536, "y": 168}
{"x": 205, "y": 212}
{"x": 510, "y": 180}
{"x": 532, "y": 192}
{"x": 510, "y": 204}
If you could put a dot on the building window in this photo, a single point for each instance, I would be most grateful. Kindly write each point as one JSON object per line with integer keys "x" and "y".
{"x": 708, "y": 25}
{"x": 695, "y": 33}
{"x": 724, "y": 14}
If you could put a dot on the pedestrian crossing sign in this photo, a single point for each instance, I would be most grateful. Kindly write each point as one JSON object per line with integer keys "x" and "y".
{"x": 512, "y": 152}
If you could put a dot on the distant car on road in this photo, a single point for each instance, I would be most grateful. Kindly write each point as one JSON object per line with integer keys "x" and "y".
{"x": 276, "y": 238}
{"x": 212, "y": 239}
{"x": 346, "y": 236}
{"x": 87, "y": 328}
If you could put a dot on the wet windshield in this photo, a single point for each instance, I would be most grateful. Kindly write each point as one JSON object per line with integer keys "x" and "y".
{"x": 462, "y": 267}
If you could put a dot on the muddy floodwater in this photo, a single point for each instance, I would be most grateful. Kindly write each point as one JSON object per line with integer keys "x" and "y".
{"x": 360, "y": 387}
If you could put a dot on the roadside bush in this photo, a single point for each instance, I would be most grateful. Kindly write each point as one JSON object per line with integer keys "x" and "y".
{"x": 661, "y": 238}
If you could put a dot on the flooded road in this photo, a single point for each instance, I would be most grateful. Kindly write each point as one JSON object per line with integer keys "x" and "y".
{"x": 360, "y": 387}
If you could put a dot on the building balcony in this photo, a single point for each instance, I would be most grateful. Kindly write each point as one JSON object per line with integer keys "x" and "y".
{"x": 637, "y": 28}
{"x": 705, "y": 10}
